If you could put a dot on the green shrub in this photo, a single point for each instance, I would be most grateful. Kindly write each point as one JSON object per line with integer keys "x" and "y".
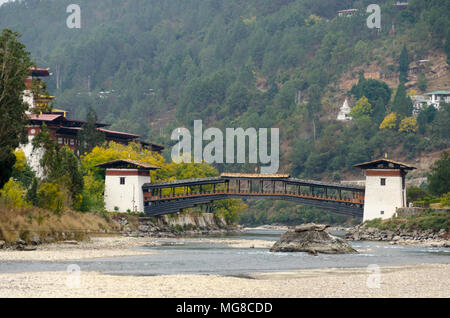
{"x": 427, "y": 220}
{"x": 50, "y": 197}
{"x": 373, "y": 223}
{"x": 445, "y": 200}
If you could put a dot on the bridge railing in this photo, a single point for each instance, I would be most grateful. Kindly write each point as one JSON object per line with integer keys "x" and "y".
{"x": 158, "y": 194}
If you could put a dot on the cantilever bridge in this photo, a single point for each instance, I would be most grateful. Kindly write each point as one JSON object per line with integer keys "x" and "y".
{"x": 173, "y": 196}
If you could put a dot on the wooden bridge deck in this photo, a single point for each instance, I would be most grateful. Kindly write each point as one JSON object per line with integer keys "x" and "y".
{"x": 173, "y": 196}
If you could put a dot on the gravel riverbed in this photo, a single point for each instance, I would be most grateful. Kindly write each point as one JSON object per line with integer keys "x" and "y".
{"x": 406, "y": 281}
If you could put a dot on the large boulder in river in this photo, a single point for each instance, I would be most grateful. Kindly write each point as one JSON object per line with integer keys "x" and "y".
{"x": 311, "y": 238}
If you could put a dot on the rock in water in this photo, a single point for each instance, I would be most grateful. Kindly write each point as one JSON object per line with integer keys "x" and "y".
{"x": 313, "y": 239}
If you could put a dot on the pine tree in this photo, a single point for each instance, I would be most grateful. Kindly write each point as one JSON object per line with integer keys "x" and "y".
{"x": 403, "y": 64}
{"x": 379, "y": 111}
{"x": 90, "y": 137}
{"x": 15, "y": 66}
{"x": 402, "y": 104}
{"x": 439, "y": 178}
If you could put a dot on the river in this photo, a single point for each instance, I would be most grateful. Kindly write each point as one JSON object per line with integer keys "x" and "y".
{"x": 212, "y": 256}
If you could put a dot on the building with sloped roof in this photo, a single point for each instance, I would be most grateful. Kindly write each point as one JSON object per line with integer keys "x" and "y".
{"x": 124, "y": 179}
{"x": 63, "y": 130}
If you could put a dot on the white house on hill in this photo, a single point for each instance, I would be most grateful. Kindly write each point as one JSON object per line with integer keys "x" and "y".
{"x": 430, "y": 99}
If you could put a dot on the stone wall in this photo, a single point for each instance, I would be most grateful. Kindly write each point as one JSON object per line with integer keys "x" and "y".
{"x": 198, "y": 220}
{"x": 404, "y": 212}
{"x": 175, "y": 225}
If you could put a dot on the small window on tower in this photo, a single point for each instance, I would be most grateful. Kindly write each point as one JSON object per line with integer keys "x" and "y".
{"x": 122, "y": 180}
{"x": 381, "y": 212}
{"x": 383, "y": 181}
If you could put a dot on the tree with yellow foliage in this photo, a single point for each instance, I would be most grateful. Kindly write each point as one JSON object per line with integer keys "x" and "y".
{"x": 21, "y": 170}
{"x": 94, "y": 184}
{"x": 12, "y": 195}
{"x": 169, "y": 171}
{"x": 389, "y": 122}
{"x": 112, "y": 151}
{"x": 409, "y": 124}
{"x": 362, "y": 108}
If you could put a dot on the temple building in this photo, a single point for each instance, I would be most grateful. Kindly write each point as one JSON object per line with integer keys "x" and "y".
{"x": 63, "y": 130}
{"x": 344, "y": 112}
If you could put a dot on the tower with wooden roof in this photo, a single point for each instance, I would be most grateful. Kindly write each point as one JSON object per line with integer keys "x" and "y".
{"x": 385, "y": 188}
{"x": 123, "y": 184}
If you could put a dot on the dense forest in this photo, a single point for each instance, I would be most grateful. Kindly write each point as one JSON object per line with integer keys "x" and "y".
{"x": 148, "y": 66}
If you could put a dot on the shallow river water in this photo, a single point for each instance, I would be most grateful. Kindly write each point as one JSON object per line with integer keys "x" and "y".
{"x": 211, "y": 256}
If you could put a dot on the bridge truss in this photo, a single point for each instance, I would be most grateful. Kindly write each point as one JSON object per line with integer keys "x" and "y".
{"x": 174, "y": 196}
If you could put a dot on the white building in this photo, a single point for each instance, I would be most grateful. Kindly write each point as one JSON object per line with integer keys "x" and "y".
{"x": 347, "y": 12}
{"x": 123, "y": 184}
{"x": 344, "y": 112}
{"x": 434, "y": 99}
{"x": 419, "y": 103}
{"x": 385, "y": 188}
{"x": 438, "y": 97}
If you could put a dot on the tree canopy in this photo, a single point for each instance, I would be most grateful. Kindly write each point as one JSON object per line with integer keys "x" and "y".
{"x": 14, "y": 68}
{"x": 439, "y": 177}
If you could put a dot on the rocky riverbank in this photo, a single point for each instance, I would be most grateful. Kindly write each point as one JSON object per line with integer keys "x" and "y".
{"x": 173, "y": 226}
{"x": 400, "y": 236}
{"x": 183, "y": 225}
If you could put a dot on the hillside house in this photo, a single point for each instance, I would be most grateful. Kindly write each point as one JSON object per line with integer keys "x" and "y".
{"x": 430, "y": 99}
{"x": 347, "y": 12}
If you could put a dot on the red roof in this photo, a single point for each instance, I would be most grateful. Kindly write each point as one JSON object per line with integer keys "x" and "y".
{"x": 347, "y": 10}
{"x": 44, "y": 117}
{"x": 39, "y": 72}
{"x": 118, "y": 133}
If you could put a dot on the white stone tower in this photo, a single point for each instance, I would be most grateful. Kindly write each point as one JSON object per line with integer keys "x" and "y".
{"x": 123, "y": 184}
{"x": 385, "y": 188}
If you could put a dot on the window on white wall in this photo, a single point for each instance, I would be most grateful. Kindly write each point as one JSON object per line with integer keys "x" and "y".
{"x": 122, "y": 180}
{"x": 383, "y": 181}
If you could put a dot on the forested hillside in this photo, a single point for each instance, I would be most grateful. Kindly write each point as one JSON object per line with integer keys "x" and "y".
{"x": 147, "y": 66}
